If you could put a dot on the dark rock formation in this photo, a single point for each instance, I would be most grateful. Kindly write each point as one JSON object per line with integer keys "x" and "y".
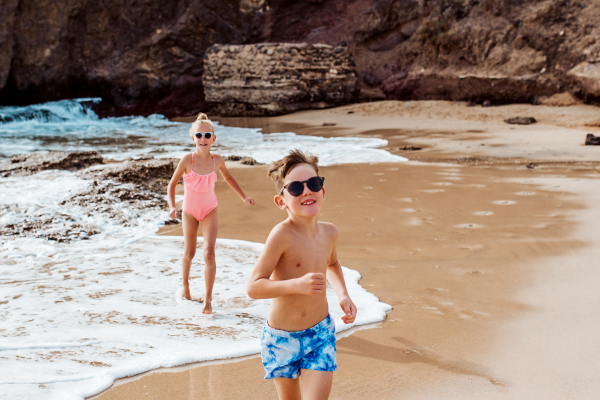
{"x": 591, "y": 140}
{"x": 151, "y": 174}
{"x": 268, "y": 79}
{"x": 145, "y": 57}
{"x": 521, "y": 120}
{"x": 32, "y": 163}
{"x": 121, "y": 192}
{"x": 409, "y": 148}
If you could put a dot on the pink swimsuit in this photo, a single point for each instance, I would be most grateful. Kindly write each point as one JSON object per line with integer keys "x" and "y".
{"x": 199, "y": 196}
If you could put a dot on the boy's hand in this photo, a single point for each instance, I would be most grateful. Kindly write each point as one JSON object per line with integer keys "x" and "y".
{"x": 311, "y": 283}
{"x": 173, "y": 213}
{"x": 249, "y": 200}
{"x": 349, "y": 309}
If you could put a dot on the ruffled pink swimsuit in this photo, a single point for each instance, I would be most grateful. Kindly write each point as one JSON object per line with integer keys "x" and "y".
{"x": 199, "y": 196}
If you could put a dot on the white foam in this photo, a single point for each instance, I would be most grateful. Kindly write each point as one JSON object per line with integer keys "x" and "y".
{"x": 38, "y": 198}
{"x": 71, "y": 125}
{"x": 80, "y": 315}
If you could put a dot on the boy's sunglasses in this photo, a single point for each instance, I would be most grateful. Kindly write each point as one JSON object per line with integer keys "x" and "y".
{"x": 207, "y": 135}
{"x": 296, "y": 188}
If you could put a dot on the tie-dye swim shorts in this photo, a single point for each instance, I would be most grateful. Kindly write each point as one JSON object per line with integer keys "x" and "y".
{"x": 284, "y": 353}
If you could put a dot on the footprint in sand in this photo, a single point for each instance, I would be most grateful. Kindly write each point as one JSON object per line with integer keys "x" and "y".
{"x": 442, "y": 183}
{"x": 483, "y": 213}
{"x": 477, "y": 185}
{"x": 525, "y": 193}
{"x": 419, "y": 221}
{"x": 433, "y": 191}
{"x": 410, "y": 210}
{"x": 378, "y": 173}
{"x": 469, "y": 226}
{"x": 407, "y": 199}
{"x": 435, "y": 290}
{"x": 504, "y": 202}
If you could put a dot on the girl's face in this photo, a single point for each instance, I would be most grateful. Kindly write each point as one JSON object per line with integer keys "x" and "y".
{"x": 199, "y": 136}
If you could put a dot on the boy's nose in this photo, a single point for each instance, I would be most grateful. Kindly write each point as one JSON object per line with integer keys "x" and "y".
{"x": 306, "y": 191}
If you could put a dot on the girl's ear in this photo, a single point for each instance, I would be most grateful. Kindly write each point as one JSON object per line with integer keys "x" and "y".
{"x": 279, "y": 202}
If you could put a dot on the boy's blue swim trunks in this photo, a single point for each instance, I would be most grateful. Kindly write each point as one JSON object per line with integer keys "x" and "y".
{"x": 284, "y": 353}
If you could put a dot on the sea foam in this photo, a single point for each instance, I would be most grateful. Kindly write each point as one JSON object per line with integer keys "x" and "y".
{"x": 72, "y": 125}
{"x": 77, "y": 316}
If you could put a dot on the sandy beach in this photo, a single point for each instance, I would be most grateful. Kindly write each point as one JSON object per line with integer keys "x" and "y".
{"x": 484, "y": 243}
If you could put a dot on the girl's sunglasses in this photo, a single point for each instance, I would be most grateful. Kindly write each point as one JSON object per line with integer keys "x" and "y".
{"x": 296, "y": 188}
{"x": 207, "y": 135}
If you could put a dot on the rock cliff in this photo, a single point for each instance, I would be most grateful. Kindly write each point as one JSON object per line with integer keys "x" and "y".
{"x": 148, "y": 56}
{"x": 269, "y": 79}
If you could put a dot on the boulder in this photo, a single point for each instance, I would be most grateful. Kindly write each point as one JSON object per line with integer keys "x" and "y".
{"x": 521, "y": 120}
{"x": 271, "y": 79}
{"x": 587, "y": 75}
{"x": 591, "y": 140}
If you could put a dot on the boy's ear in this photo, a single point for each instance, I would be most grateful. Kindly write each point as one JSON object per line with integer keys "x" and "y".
{"x": 279, "y": 202}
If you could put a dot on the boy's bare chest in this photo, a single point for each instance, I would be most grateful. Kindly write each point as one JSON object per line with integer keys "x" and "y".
{"x": 304, "y": 257}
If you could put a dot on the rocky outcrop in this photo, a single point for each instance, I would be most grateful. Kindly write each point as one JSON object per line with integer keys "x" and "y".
{"x": 32, "y": 163}
{"x": 122, "y": 192}
{"x": 587, "y": 76}
{"x": 266, "y": 79}
{"x": 145, "y": 57}
{"x": 151, "y": 174}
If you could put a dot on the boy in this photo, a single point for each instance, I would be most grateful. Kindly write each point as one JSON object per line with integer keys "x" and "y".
{"x": 299, "y": 335}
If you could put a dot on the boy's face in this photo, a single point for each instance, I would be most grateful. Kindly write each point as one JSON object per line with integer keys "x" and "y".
{"x": 309, "y": 203}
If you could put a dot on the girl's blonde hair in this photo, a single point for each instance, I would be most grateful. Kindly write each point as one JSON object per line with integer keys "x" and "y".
{"x": 201, "y": 119}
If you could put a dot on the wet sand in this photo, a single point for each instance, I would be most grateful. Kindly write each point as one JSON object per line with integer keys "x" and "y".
{"x": 488, "y": 264}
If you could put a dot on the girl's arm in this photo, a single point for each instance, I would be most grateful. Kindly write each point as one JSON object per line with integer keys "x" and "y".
{"x": 231, "y": 181}
{"x": 261, "y": 286}
{"x": 181, "y": 168}
{"x": 335, "y": 276}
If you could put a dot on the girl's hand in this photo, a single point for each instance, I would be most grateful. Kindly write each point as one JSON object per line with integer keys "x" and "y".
{"x": 248, "y": 200}
{"x": 349, "y": 309}
{"x": 173, "y": 213}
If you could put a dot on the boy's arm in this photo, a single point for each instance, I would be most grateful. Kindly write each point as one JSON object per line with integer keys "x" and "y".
{"x": 181, "y": 167}
{"x": 335, "y": 276}
{"x": 260, "y": 286}
{"x": 231, "y": 180}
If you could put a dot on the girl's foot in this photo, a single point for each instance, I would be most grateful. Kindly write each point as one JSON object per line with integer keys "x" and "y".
{"x": 186, "y": 293}
{"x": 207, "y": 307}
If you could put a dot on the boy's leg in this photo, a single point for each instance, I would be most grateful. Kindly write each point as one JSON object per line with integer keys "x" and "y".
{"x": 316, "y": 385}
{"x": 190, "y": 232}
{"x": 288, "y": 389}
{"x": 210, "y": 229}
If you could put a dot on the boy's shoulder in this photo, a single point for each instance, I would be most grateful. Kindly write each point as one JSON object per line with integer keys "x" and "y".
{"x": 329, "y": 228}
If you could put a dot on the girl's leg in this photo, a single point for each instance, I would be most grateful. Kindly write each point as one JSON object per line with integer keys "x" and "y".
{"x": 316, "y": 385}
{"x": 190, "y": 233}
{"x": 209, "y": 232}
{"x": 288, "y": 389}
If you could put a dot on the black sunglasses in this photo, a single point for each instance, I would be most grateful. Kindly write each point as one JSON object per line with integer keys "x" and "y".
{"x": 296, "y": 188}
{"x": 207, "y": 135}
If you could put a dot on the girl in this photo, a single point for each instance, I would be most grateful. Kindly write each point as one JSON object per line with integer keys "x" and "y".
{"x": 199, "y": 171}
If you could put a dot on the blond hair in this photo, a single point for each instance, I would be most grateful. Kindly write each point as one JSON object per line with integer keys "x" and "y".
{"x": 201, "y": 119}
{"x": 279, "y": 169}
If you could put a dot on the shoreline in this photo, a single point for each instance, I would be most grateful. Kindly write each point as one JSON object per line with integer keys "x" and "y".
{"x": 435, "y": 331}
